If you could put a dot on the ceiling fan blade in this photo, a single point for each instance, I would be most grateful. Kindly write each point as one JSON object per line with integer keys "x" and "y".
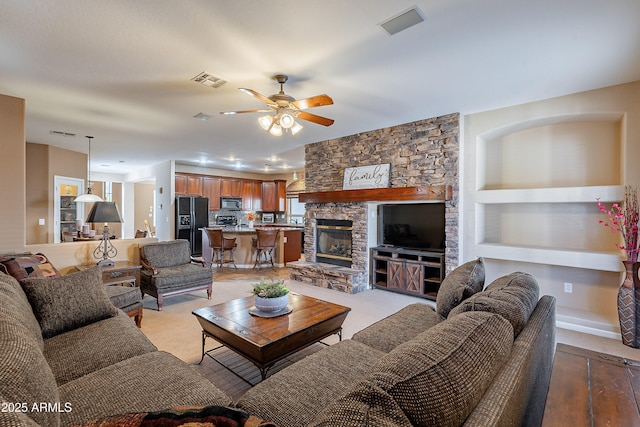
{"x": 245, "y": 111}
{"x": 257, "y": 95}
{"x": 314, "y": 101}
{"x": 314, "y": 118}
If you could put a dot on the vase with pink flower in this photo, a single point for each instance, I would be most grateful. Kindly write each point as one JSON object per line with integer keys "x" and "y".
{"x": 624, "y": 220}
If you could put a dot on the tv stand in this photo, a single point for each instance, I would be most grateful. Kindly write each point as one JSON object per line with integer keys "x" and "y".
{"x": 409, "y": 271}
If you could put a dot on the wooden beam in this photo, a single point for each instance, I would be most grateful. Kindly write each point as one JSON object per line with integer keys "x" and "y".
{"x": 431, "y": 193}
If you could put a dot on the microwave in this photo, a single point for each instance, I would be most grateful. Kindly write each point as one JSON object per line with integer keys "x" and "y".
{"x": 231, "y": 203}
{"x": 268, "y": 218}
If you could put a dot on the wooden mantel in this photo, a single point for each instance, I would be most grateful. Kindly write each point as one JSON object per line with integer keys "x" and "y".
{"x": 431, "y": 193}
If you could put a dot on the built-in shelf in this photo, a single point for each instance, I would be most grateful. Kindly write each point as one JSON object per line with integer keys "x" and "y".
{"x": 431, "y": 193}
{"x": 592, "y": 260}
{"x": 589, "y": 194}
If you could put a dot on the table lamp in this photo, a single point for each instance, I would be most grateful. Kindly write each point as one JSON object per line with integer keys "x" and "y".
{"x": 105, "y": 212}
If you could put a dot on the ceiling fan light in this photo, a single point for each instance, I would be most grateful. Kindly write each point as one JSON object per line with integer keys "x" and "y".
{"x": 265, "y": 122}
{"x": 297, "y": 127}
{"x": 275, "y": 130}
{"x": 286, "y": 120}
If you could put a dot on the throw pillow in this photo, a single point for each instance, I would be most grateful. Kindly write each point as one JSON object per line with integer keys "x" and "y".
{"x": 365, "y": 405}
{"x": 64, "y": 303}
{"x": 441, "y": 375}
{"x": 513, "y": 296}
{"x": 207, "y": 416}
{"x": 459, "y": 285}
{"x": 26, "y": 265}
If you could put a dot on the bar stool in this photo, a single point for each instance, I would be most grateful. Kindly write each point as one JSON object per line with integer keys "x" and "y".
{"x": 219, "y": 246}
{"x": 264, "y": 243}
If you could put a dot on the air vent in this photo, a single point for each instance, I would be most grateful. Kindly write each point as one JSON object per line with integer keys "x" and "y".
{"x": 60, "y": 133}
{"x": 208, "y": 79}
{"x": 403, "y": 21}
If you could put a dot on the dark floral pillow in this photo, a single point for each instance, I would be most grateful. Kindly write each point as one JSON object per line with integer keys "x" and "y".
{"x": 209, "y": 416}
{"x": 26, "y": 265}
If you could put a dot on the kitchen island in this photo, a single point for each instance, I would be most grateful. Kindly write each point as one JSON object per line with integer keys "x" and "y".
{"x": 288, "y": 249}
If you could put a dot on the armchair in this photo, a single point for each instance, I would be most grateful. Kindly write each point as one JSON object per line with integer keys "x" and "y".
{"x": 168, "y": 269}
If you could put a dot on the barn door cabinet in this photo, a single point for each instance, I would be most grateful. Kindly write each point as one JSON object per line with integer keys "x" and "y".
{"x": 407, "y": 271}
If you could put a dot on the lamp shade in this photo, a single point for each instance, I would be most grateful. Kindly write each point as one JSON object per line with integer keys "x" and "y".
{"x": 88, "y": 197}
{"x": 104, "y": 212}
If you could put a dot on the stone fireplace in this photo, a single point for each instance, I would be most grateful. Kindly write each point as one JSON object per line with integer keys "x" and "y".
{"x": 422, "y": 154}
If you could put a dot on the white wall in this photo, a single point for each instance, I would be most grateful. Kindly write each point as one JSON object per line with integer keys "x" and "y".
{"x": 532, "y": 174}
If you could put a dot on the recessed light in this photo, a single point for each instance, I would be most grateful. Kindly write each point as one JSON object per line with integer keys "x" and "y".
{"x": 202, "y": 116}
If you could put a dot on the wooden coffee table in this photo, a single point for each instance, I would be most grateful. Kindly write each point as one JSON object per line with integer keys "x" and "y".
{"x": 264, "y": 341}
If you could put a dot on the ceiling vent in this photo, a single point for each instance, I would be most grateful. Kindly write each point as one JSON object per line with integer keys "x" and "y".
{"x": 60, "y": 133}
{"x": 208, "y": 79}
{"x": 402, "y": 21}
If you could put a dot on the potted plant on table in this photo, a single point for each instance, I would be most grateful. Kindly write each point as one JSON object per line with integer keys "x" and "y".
{"x": 270, "y": 295}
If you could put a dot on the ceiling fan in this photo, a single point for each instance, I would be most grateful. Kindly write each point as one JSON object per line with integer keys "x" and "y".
{"x": 287, "y": 109}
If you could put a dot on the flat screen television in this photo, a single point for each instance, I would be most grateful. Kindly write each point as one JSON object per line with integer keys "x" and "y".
{"x": 412, "y": 225}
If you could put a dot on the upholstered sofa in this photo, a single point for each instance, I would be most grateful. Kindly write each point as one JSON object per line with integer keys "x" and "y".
{"x": 68, "y": 356}
{"x": 481, "y": 358}
{"x": 168, "y": 269}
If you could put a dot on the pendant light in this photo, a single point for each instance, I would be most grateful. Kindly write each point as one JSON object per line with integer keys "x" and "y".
{"x": 88, "y": 197}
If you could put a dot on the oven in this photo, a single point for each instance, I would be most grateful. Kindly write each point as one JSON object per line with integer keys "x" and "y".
{"x": 227, "y": 220}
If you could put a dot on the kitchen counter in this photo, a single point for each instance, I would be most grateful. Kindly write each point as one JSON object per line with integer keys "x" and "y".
{"x": 288, "y": 249}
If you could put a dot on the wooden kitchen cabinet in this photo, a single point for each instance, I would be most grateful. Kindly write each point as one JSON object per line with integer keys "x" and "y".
{"x": 181, "y": 185}
{"x": 194, "y": 185}
{"x": 231, "y": 188}
{"x": 251, "y": 195}
{"x": 292, "y": 245}
{"x": 188, "y": 185}
{"x": 211, "y": 189}
{"x": 274, "y": 196}
{"x": 256, "y": 195}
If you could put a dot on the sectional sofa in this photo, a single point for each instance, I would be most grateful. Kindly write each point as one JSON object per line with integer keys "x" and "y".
{"x": 483, "y": 358}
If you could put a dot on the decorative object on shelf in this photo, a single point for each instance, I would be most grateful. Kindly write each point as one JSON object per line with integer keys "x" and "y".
{"x": 270, "y": 296}
{"x": 629, "y": 305}
{"x": 251, "y": 217}
{"x": 286, "y": 109}
{"x": 624, "y": 220}
{"x": 105, "y": 212}
{"x": 88, "y": 197}
{"x": 371, "y": 176}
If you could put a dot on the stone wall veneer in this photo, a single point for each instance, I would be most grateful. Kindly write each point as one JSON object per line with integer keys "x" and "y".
{"x": 421, "y": 153}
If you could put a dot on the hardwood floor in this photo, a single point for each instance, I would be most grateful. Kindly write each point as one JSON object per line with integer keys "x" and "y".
{"x": 592, "y": 389}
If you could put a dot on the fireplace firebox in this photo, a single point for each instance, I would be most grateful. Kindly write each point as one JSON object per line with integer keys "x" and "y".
{"x": 333, "y": 241}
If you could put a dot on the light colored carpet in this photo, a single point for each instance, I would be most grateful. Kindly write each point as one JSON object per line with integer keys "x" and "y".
{"x": 176, "y": 330}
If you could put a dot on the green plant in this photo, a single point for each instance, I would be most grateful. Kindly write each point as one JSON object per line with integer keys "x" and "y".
{"x": 270, "y": 288}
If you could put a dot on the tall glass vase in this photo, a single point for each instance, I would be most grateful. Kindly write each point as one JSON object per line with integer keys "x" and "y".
{"x": 629, "y": 305}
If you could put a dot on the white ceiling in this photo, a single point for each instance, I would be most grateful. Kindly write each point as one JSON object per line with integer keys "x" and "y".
{"x": 121, "y": 70}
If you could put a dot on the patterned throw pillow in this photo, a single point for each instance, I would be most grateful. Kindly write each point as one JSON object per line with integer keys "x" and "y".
{"x": 26, "y": 265}
{"x": 513, "y": 296}
{"x": 466, "y": 280}
{"x": 64, "y": 303}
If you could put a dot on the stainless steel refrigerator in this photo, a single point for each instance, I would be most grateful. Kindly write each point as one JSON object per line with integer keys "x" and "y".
{"x": 192, "y": 214}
